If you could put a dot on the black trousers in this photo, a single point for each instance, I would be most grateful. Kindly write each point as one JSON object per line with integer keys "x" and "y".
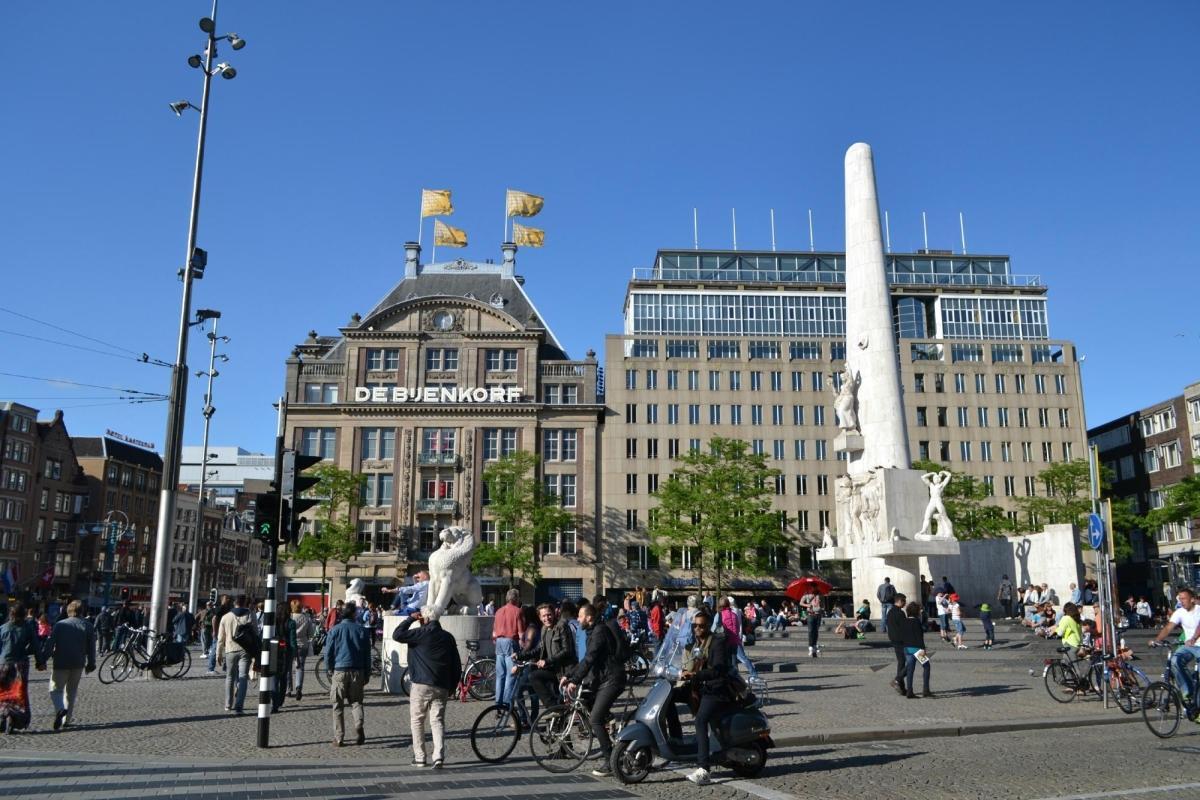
{"x": 545, "y": 686}
{"x": 900, "y": 662}
{"x": 708, "y": 714}
{"x": 606, "y": 695}
{"x": 1007, "y": 603}
{"x": 814, "y": 629}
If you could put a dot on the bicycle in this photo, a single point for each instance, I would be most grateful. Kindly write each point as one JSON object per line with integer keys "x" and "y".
{"x": 498, "y": 728}
{"x": 1162, "y": 702}
{"x": 168, "y": 659}
{"x": 323, "y": 674}
{"x": 561, "y": 738}
{"x": 1064, "y": 682}
{"x": 478, "y": 679}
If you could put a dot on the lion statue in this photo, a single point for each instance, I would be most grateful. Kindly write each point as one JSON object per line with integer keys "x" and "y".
{"x": 450, "y": 578}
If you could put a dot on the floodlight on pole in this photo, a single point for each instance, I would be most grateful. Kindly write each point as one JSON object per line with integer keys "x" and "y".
{"x": 179, "y": 106}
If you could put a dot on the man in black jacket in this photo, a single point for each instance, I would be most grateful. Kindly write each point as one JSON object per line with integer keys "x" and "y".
{"x": 554, "y": 652}
{"x": 709, "y": 667}
{"x": 435, "y": 667}
{"x": 603, "y": 663}
{"x": 893, "y": 615}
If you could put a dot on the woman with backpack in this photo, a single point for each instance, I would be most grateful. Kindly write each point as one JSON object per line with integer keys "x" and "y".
{"x": 731, "y": 622}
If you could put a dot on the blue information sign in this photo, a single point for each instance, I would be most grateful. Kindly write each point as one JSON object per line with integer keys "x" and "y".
{"x": 1096, "y": 531}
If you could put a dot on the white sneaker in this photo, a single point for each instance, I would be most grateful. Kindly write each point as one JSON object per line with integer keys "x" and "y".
{"x": 699, "y": 777}
{"x": 962, "y": 647}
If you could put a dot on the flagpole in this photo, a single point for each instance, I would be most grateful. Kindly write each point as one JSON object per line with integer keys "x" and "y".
{"x": 695, "y": 230}
{"x": 772, "y": 230}
{"x": 504, "y": 239}
{"x": 421, "y": 219}
{"x": 734, "y": 212}
{"x": 433, "y": 255}
{"x": 810, "y": 232}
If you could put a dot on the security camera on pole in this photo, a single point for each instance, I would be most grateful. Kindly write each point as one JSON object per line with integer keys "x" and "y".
{"x": 195, "y": 261}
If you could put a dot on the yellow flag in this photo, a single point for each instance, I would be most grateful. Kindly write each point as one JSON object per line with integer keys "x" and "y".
{"x": 447, "y": 236}
{"x": 435, "y": 201}
{"x": 523, "y": 204}
{"x": 528, "y": 237}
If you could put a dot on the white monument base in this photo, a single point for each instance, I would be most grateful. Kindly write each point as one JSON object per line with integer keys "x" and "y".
{"x": 462, "y": 627}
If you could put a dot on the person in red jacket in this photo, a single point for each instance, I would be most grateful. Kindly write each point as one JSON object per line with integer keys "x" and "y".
{"x": 658, "y": 621}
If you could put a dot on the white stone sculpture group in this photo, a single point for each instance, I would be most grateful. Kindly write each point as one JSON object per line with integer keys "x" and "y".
{"x": 860, "y": 501}
{"x": 450, "y": 578}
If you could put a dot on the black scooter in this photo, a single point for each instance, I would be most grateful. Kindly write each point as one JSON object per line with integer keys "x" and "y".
{"x": 742, "y": 743}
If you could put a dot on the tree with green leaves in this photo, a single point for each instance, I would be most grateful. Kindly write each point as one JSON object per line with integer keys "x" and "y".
{"x": 526, "y": 516}
{"x": 1181, "y": 503}
{"x": 1068, "y": 495}
{"x": 966, "y": 498}
{"x": 333, "y": 536}
{"x": 717, "y": 504}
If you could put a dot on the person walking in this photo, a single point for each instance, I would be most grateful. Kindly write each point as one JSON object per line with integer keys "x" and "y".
{"x": 1005, "y": 595}
{"x": 181, "y": 625}
{"x": 72, "y": 651}
{"x": 232, "y": 638}
{"x": 507, "y": 629}
{"x": 18, "y": 641}
{"x": 989, "y": 629}
{"x": 886, "y": 595}
{"x": 897, "y": 626}
{"x": 604, "y": 665}
{"x": 218, "y": 615}
{"x": 285, "y": 648}
{"x": 348, "y": 660}
{"x": 334, "y": 615}
{"x": 811, "y": 604}
{"x": 104, "y": 630}
{"x": 960, "y": 628}
{"x": 731, "y": 622}
{"x": 914, "y": 651}
{"x": 303, "y": 630}
{"x": 434, "y": 665}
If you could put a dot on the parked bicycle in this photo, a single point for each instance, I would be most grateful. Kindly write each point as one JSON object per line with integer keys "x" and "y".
{"x": 167, "y": 658}
{"x": 1068, "y": 678}
{"x": 478, "y": 679}
{"x": 1162, "y": 701}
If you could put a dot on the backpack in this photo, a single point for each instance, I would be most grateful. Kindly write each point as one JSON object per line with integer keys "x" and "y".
{"x": 624, "y": 650}
{"x": 245, "y": 634}
{"x": 889, "y": 594}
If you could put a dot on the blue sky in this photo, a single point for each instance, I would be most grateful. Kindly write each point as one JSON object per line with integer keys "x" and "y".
{"x": 1066, "y": 134}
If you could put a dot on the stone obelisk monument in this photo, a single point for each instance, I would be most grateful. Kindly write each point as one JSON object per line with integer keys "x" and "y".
{"x": 881, "y": 501}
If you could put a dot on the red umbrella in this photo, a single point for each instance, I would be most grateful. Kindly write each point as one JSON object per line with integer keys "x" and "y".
{"x": 806, "y": 585}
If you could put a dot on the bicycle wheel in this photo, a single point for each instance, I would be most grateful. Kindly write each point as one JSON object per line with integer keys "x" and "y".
{"x": 171, "y": 671}
{"x": 104, "y": 672}
{"x": 560, "y": 739}
{"x": 1162, "y": 708}
{"x": 406, "y": 682}
{"x": 321, "y": 674}
{"x": 120, "y": 668}
{"x": 1060, "y": 683}
{"x": 495, "y": 734}
{"x": 480, "y": 678}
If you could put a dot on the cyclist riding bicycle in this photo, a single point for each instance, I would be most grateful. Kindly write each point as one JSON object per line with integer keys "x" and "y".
{"x": 554, "y": 653}
{"x": 1187, "y": 616}
{"x": 604, "y": 662}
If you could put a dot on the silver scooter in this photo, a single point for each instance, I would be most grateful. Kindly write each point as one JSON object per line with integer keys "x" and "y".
{"x": 741, "y": 743}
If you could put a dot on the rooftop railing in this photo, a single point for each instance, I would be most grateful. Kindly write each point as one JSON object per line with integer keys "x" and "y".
{"x": 819, "y": 277}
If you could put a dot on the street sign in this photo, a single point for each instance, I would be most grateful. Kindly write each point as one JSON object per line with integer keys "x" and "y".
{"x": 1096, "y": 531}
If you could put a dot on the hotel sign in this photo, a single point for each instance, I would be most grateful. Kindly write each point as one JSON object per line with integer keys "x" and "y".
{"x": 437, "y": 394}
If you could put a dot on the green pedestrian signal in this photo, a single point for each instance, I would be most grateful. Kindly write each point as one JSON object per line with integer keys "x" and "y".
{"x": 266, "y": 518}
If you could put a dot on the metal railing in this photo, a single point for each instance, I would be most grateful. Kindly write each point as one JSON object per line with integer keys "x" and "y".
{"x": 444, "y": 459}
{"x": 323, "y": 369}
{"x": 818, "y": 277}
{"x": 562, "y": 370}
{"x": 438, "y": 506}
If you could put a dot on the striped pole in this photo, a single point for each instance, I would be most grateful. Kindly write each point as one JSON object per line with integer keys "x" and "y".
{"x": 265, "y": 672}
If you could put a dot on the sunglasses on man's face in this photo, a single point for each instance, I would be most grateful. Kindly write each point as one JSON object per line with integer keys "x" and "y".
{"x": 700, "y": 627}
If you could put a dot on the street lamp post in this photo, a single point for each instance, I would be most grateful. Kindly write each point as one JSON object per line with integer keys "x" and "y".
{"x": 193, "y": 266}
{"x": 209, "y": 410}
{"x": 111, "y": 533}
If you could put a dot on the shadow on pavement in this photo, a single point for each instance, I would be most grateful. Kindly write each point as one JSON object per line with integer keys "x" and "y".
{"x": 849, "y": 762}
{"x": 982, "y": 691}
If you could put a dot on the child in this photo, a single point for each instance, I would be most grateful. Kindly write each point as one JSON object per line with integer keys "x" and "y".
{"x": 989, "y": 630}
{"x": 960, "y": 629}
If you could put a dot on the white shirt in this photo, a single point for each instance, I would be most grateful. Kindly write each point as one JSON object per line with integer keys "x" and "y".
{"x": 1143, "y": 609}
{"x": 1032, "y": 597}
{"x": 955, "y": 611}
{"x": 1188, "y": 620}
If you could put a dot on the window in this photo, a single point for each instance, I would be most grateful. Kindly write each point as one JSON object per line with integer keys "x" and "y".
{"x": 820, "y": 449}
{"x": 441, "y": 359}
{"x": 982, "y": 415}
{"x": 631, "y": 483}
{"x": 818, "y": 415}
{"x": 561, "y": 445}
{"x": 818, "y": 381}
{"x": 693, "y": 445}
{"x": 1030, "y": 486}
{"x": 1039, "y": 383}
{"x": 735, "y": 414}
{"x": 552, "y": 394}
{"x": 672, "y": 448}
{"x": 980, "y": 383}
{"x": 652, "y": 448}
{"x": 434, "y": 441}
{"x": 939, "y": 383}
{"x": 922, "y": 417}
{"x": 562, "y": 487}
{"x": 1064, "y": 418}
{"x": 1010, "y": 486}
{"x": 776, "y": 381}
{"x": 773, "y": 558}
{"x": 798, "y": 449}
{"x": 756, "y": 415}
{"x": 1047, "y": 452}
{"x": 1002, "y": 416}
{"x": 755, "y": 381}
{"x": 1060, "y": 384}
{"x": 964, "y": 451}
{"x": 735, "y": 381}
{"x": 694, "y": 414}
{"x": 672, "y": 379}
{"x": 714, "y": 380}
{"x": 923, "y": 450}
{"x": 693, "y": 380}
{"x": 1066, "y": 451}
{"x": 801, "y": 520}
{"x": 714, "y": 414}
{"x": 1000, "y": 384}
{"x": 1006, "y": 452}
{"x": 651, "y": 379}
{"x": 651, "y": 483}
{"x": 498, "y": 442}
{"x": 318, "y": 442}
{"x": 801, "y": 484}
{"x": 631, "y": 519}
{"x": 381, "y": 442}
{"x": 776, "y": 415}
{"x": 1043, "y": 418}
{"x": 756, "y": 447}
{"x": 672, "y": 413}
{"x": 985, "y": 451}
{"x": 960, "y": 382}
{"x": 1027, "y": 452}
{"x": 500, "y": 360}
{"x": 377, "y": 490}
{"x": 797, "y": 415}
{"x": 383, "y": 359}
{"x": 1019, "y": 383}
{"x": 639, "y": 556}
{"x": 918, "y": 382}
{"x": 777, "y": 450}
{"x": 652, "y": 413}
{"x": 631, "y": 378}
{"x": 320, "y": 392}
{"x": 631, "y": 413}
{"x": 943, "y": 451}
{"x": 1023, "y": 417}
{"x": 822, "y": 485}
{"x": 631, "y": 448}
{"x": 963, "y": 416}
{"x": 941, "y": 416}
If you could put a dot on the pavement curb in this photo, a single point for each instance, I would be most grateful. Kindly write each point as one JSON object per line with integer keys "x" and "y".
{"x": 851, "y": 735}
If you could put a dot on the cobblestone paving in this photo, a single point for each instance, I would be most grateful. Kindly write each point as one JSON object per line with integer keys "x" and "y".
{"x": 171, "y": 737}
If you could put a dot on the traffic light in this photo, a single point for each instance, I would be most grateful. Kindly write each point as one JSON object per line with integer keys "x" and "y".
{"x": 295, "y": 485}
{"x": 267, "y": 516}
{"x": 124, "y": 594}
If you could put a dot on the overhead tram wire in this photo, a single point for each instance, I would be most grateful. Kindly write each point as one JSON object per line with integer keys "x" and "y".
{"x": 140, "y": 356}
{"x": 147, "y": 395}
{"x": 143, "y": 358}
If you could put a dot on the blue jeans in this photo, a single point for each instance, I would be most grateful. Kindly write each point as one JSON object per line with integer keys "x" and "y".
{"x": 910, "y": 670}
{"x": 1181, "y": 668}
{"x": 505, "y": 648}
{"x": 296, "y": 683}
{"x": 212, "y": 657}
{"x": 744, "y": 660}
{"x": 237, "y": 675}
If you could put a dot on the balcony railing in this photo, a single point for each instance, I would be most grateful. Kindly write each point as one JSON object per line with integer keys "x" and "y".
{"x": 813, "y": 277}
{"x": 438, "y": 506}
{"x": 438, "y": 459}
{"x": 331, "y": 370}
{"x": 562, "y": 370}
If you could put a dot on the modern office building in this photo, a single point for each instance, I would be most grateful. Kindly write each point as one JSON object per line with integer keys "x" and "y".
{"x": 749, "y": 345}
{"x": 452, "y": 369}
{"x": 1148, "y": 451}
{"x": 228, "y": 469}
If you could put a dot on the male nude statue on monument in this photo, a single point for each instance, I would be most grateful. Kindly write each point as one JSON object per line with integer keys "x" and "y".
{"x": 845, "y": 404}
{"x": 936, "y": 481}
